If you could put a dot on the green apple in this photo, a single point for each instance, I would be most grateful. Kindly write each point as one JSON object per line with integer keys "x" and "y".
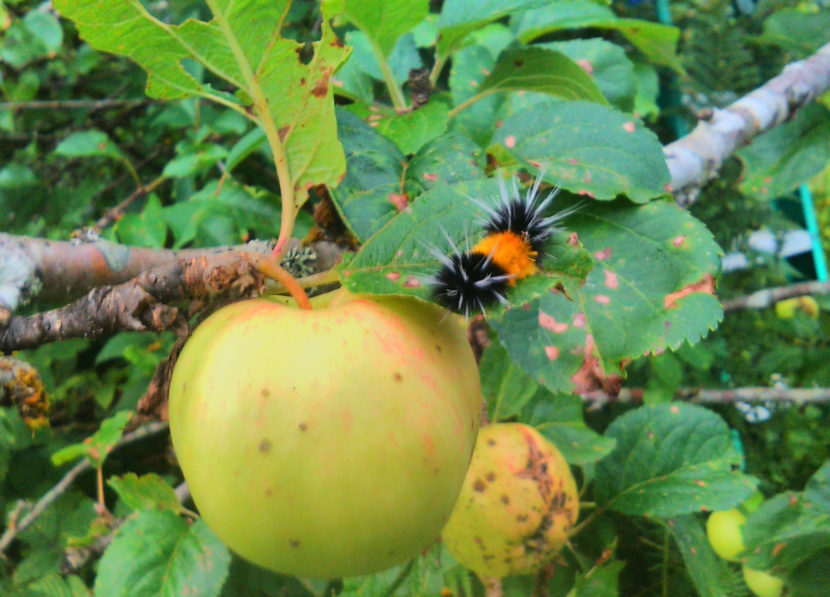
{"x": 724, "y": 532}
{"x": 786, "y": 309}
{"x": 763, "y": 584}
{"x": 326, "y": 442}
{"x": 517, "y": 506}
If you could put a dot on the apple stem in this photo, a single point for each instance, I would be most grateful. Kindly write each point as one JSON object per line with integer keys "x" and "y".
{"x": 274, "y": 270}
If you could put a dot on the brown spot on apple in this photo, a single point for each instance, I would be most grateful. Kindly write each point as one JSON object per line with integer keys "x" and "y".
{"x": 264, "y": 446}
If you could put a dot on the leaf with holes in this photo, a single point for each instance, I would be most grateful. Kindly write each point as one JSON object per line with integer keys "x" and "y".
{"x": 243, "y": 46}
{"x": 157, "y": 552}
{"x": 650, "y": 289}
{"x": 587, "y": 148}
{"x": 671, "y": 459}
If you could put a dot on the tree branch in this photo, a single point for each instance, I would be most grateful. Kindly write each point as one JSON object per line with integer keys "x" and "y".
{"x": 695, "y": 159}
{"x": 769, "y": 296}
{"x": 598, "y": 399}
{"x": 141, "y": 303}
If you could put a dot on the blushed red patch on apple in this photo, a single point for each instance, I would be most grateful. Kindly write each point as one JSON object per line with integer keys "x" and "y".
{"x": 548, "y": 322}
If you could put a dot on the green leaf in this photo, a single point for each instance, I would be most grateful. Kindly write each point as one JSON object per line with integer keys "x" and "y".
{"x": 632, "y": 302}
{"x": 377, "y": 185}
{"x": 384, "y": 22}
{"x": 409, "y": 130}
{"x": 459, "y": 18}
{"x": 712, "y": 576}
{"x": 538, "y": 69}
{"x": 145, "y": 229}
{"x": 147, "y": 491}
{"x": 588, "y": 149}
{"x": 243, "y": 46}
{"x": 396, "y": 259}
{"x": 606, "y": 63}
{"x": 374, "y": 167}
{"x": 789, "y": 529}
{"x": 602, "y": 582}
{"x": 99, "y": 445}
{"x": 46, "y": 29}
{"x": 670, "y": 459}
{"x": 156, "y": 553}
{"x": 779, "y": 160}
{"x": 559, "y": 418}
{"x": 249, "y": 580}
{"x": 506, "y": 388}
{"x": 657, "y": 42}
{"x": 794, "y": 29}
{"x": 248, "y": 144}
{"x": 193, "y": 159}
{"x": 87, "y": 144}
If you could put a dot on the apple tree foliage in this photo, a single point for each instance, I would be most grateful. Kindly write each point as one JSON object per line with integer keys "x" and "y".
{"x": 251, "y": 100}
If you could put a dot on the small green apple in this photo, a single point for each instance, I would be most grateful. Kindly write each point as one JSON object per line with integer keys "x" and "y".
{"x": 786, "y": 309}
{"x": 326, "y": 442}
{"x": 763, "y": 584}
{"x": 517, "y": 506}
{"x": 724, "y": 532}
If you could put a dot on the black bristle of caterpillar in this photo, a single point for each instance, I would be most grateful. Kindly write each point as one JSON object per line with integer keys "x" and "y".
{"x": 519, "y": 218}
{"x": 468, "y": 282}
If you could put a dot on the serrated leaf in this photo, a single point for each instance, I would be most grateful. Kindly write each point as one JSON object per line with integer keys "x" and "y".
{"x": 795, "y": 29}
{"x": 384, "y": 22}
{"x": 377, "y": 185}
{"x": 587, "y": 149}
{"x": 242, "y": 45}
{"x": 98, "y": 446}
{"x": 656, "y": 41}
{"x": 459, "y": 18}
{"x": 408, "y": 130}
{"x": 670, "y": 459}
{"x": 645, "y": 259}
{"x": 543, "y": 70}
{"x": 712, "y": 576}
{"x": 779, "y": 160}
{"x": 146, "y": 491}
{"x": 87, "y": 144}
{"x": 158, "y": 554}
{"x": 606, "y": 64}
{"x": 790, "y": 528}
{"x": 559, "y": 418}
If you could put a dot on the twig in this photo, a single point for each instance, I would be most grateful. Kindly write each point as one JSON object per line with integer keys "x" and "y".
{"x": 74, "y": 104}
{"x": 696, "y": 158}
{"x": 139, "y": 304}
{"x": 44, "y": 502}
{"x": 598, "y": 398}
{"x": 117, "y": 212}
{"x": 769, "y": 296}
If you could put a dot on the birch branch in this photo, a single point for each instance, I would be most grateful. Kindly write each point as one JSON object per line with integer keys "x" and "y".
{"x": 598, "y": 398}
{"x": 769, "y": 296}
{"x": 695, "y": 159}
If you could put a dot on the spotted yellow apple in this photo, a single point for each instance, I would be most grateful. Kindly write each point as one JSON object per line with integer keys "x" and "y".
{"x": 517, "y": 506}
{"x": 326, "y": 442}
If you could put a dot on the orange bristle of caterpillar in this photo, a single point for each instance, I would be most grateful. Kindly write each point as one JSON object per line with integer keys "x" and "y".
{"x": 511, "y": 252}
